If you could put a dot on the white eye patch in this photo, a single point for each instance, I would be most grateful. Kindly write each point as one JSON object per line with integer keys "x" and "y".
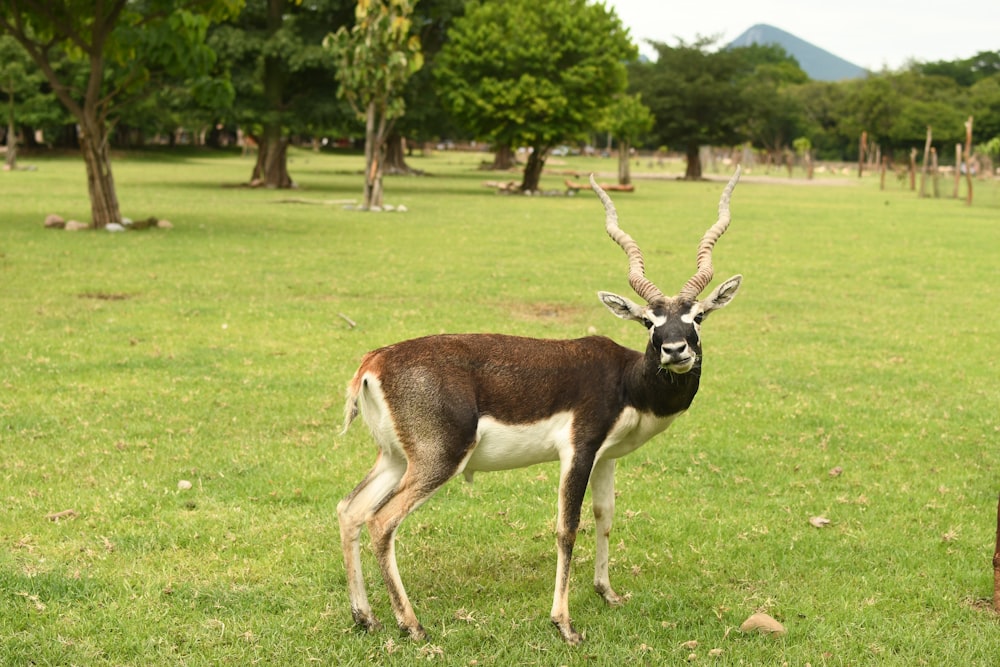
{"x": 657, "y": 320}
{"x": 691, "y": 317}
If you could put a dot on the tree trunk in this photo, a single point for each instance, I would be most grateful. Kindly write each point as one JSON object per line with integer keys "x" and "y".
{"x": 375, "y": 132}
{"x": 271, "y": 168}
{"x": 395, "y": 155}
{"x": 862, "y": 149}
{"x": 503, "y": 158}
{"x": 624, "y": 163}
{"x": 693, "y": 171}
{"x": 11, "y": 160}
{"x": 533, "y": 170}
{"x": 100, "y": 181}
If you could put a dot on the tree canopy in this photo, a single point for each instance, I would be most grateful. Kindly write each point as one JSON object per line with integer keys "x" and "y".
{"x": 117, "y": 52}
{"x": 534, "y": 73}
{"x": 703, "y": 97}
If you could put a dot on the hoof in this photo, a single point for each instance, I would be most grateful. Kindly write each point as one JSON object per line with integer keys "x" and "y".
{"x": 609, "y": 596}
{"x": 416, "y": 633}
{"x": 569, "y": 635}
{"x": 366, "y": 622}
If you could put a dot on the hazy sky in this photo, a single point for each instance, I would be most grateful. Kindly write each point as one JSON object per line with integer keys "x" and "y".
{"x": 870, "y": 33}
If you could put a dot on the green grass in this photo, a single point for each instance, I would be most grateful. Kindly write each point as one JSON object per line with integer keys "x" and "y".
{"x": 865, "y": 337}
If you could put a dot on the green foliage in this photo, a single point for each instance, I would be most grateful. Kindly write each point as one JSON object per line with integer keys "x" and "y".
{"x": 21, "y": 80}
{"x": 984, "y": 100}
{"x": 722, "y": 97}
{"x": 280, "y": 70}
{"x": 214, "y": 353}
{"x": 533, "y": 72}
{"x": 627, "y": 119}
{"x": 376, "y": 57}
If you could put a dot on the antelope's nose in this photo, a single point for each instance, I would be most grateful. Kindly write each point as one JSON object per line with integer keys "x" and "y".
{"x": 671, "y": 352}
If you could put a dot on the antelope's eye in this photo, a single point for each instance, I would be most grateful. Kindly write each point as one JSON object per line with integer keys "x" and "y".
{"x": 646, "y": 322}
{"x": 699, "y": 318}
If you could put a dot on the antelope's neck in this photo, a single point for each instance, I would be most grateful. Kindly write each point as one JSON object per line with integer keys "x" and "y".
{"x": 658, "y": 391}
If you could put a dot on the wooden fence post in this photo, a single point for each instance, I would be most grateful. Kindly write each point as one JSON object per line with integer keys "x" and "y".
{"x": 968, "y": 160}
{"x": 923, "y": 172}
{"x": 996, "y": 566}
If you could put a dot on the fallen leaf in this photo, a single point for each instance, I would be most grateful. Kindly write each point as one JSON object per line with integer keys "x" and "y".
{"x": 764, "y": 624}
{"x": 715, "y": 652}
{"x": 691, "y": 645}
{"x": 836, "y": 471}
{"x": 819, "y": 521}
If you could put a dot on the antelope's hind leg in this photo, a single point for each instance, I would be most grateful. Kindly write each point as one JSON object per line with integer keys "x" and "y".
{"x": 421, "y": 479}
{"x": 352, "y": 512}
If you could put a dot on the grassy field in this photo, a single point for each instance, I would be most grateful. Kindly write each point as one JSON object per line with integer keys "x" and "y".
{"x": 865, "y": 339}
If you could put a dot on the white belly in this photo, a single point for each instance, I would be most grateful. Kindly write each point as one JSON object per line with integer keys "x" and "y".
{"x": 502, "y": 446}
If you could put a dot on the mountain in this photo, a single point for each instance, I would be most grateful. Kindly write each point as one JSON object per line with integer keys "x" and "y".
{"x": 820, "y": 65}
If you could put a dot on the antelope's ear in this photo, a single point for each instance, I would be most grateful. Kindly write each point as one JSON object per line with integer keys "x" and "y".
{"x": 622, "y": 307}
{"x": 722, "y": 295}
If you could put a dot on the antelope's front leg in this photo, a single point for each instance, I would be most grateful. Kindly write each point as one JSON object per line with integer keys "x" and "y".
{"x": 572, "y": 486}
{"x": 602, "y": 492}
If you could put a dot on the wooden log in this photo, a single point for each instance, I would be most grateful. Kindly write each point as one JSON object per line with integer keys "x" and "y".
{"x": 608, "y": 187}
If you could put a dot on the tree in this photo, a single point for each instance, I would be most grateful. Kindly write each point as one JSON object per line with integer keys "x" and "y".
{"x": 374, "y": 60}
{"x": 284, "y": 78}
{"x": 21, "y": 85}
{"x": 627, "y": 119}
{"x": 426, "y": 118}
{"x": 534, "y": 73}
{"x": 702, "y": 97}
{"x": 772, "y": 112}
{"x": 124, "y": 47}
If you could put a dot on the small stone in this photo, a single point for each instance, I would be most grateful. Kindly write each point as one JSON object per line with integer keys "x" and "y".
{"x": 114, "y": 227}
{"x": 53, "y": 221}
{"x": 819, "y": 521}
{"x": 164, "y": 224}
{"x": 75, "y": 226}
{"x": 183, "y": 485}
{"x": 402, "y": 208}
{"x": 764, "y": 624}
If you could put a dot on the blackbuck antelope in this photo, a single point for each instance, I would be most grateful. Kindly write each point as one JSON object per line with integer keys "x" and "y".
{"x": 449, "y": 404}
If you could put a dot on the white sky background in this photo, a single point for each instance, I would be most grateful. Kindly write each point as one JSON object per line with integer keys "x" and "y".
{"x": 873, "y": 34}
